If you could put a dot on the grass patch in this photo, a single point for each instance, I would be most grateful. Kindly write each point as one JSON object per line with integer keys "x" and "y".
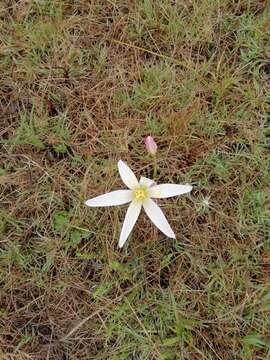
{"x": 81, "y": 85}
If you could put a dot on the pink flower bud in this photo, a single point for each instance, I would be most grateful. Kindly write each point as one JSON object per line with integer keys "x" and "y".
{"x": 150, "y": 145}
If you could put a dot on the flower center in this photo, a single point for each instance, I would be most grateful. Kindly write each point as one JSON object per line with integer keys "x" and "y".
{"x": 140, "y": 194}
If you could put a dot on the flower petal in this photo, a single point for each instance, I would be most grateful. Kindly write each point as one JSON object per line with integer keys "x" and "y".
{"x": 156, "y": 215}
{"x": 127, "y": 175}
{"x": 146, "y": 182}
{"x": 131, "y": 217}
{"x": 169, "y": 190}
{"x": 117, "y": 197}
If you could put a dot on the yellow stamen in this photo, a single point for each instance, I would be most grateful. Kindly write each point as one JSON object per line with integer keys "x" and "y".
{"x": 141, "y": 194}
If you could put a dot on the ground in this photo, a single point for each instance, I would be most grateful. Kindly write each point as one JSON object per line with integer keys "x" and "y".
{"x": 82, "y": 83}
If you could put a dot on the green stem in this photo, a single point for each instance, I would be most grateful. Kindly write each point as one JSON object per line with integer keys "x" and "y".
{"x": 155, "y": 167}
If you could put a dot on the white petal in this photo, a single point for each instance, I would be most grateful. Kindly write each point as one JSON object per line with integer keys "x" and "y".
{"x": 146, "y": 182}
{"x": 117, "y": 197}
{"x": 127, "y": 175}
{"x": 169, "y": 190}
{"x": 156, "y": 215}
{"x": 131, "y": 217}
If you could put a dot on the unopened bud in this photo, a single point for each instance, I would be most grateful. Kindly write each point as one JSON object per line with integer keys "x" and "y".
{"x": 150, "y": 145}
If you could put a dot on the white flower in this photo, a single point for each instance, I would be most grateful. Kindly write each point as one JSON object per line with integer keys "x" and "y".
{"x": 139, "y": 195}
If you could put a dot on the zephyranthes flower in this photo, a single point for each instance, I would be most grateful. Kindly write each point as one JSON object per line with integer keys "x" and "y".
{"x": 139, "y": 195}
{"x": 150, "y": 145}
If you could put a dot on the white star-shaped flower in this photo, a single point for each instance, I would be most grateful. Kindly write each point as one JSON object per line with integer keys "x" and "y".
{"x": 139, "y": 195}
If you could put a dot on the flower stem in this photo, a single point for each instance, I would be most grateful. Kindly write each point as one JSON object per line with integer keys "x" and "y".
{"x": 155, "y": 167}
